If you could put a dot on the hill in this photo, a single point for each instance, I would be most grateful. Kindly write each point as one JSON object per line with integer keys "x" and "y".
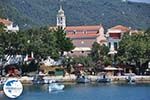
{"x": 32, "y": 13}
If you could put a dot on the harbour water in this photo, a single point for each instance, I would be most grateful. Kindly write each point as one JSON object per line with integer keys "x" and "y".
{"x": 86, "y": 92}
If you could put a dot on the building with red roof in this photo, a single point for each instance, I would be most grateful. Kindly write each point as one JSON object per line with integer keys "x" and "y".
{"x": 115, "y": 34}
{"x": 9, "y": 25}
{"x": 84, "y": 36}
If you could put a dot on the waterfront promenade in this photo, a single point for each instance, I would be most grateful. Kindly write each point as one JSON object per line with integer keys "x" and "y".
{"x": 72, "y": 78}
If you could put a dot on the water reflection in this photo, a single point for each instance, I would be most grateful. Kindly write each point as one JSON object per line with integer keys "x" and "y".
{"x": 93, "y": 91}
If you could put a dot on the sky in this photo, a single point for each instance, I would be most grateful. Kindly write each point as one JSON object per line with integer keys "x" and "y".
{"x": 147, "y": 1}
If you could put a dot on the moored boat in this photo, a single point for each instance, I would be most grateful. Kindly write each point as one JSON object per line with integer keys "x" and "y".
{"x": 130, "y": 79}
{"x": 38, "y": 79}
{"x": 55, "y": 87}
{"x": 82, "y": 79}
{"x": 104, "y": 80}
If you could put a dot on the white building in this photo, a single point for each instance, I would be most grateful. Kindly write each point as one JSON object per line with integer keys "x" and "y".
{"x": 9, "y": 25}
{"x": 115, "y": 34}
{"x": 61, "y": 19}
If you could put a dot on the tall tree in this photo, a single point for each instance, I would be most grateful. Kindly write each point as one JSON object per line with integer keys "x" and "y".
{"x": 2, "y": 31}
{"x": 63, "y": 43}
{"x": 99, "y": 54}
{"x": 135, "y": 48}
{"x": 42, "y": 43}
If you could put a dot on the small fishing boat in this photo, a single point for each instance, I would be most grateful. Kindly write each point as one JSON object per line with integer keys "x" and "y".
{"x": 47, "y": 81}
{"x": 38, "y": 79}
{"x": 2, "y": 81}
{"x": 82, "y": 79}
{"x": 104, "y": 79}
{"x": 55, "y": 87}
{"x": 130, "y": 79}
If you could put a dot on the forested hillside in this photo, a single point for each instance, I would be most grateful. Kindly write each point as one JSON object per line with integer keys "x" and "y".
{"x": 31, "y": 13}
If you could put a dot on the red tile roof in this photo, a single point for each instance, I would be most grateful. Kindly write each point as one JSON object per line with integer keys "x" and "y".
{"x": 82, "y": 31}
{"x": 120, "y": 27}
{"x": 81, "y": 35}
{"x": 5, "y": 21}
{"x": 78, "y": 28}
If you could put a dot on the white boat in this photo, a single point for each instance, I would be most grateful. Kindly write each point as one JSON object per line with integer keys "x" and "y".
{"x": 82, "y": 79}
{"x": 38, "y": 79}
{"x": 55, "y": 87}
{"x": 2, "y": 81}
{"x": 130, "y": 79}
{"x": 47, "y": 81}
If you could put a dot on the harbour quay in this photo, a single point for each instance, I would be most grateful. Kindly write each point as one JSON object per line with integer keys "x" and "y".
{"x": 72, "y": 78}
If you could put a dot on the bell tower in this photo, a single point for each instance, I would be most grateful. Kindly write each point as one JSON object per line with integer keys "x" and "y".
{"x": 61, "y": 19}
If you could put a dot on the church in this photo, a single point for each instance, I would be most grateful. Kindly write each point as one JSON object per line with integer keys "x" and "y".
{"x": 82, "y": 36}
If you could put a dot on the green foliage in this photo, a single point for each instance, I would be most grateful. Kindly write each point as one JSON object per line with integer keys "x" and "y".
{"x": 1, "y": 33}
{"x": 62, "y": 42}
{"x": 135, "y": 48}
{"x": 9, "y": 43}
{"x": 86, "y": 61}
{"x": 99, "y": 52}
{"x": 2, "y": 28}
{"x": 8, "y": 10}
{"x": 42, "y": 42}
{"x": 29, "y": 13}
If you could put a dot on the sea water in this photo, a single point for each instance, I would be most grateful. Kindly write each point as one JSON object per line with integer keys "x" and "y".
{"x": 86, "y": 92}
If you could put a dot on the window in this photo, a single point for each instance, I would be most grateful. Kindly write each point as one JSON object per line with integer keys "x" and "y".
{"x": 82, "y": 51}
{"x": 115, "y": 45}
{"x": 109, "y": 44}
{"x": 74, "y": 31}
{"x": 85, "y": 32}
{"x": 82, "y": 42}
{"x": 60, "y": 19}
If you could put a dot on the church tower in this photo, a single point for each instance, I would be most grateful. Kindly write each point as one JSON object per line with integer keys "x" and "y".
{"x": 61, "y": 19}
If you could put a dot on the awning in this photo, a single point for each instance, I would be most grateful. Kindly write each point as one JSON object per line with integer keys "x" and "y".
{"x": 110, "y": 68}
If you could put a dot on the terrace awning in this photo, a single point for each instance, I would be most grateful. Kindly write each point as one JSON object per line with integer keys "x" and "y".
{"x": 112, "y": 68}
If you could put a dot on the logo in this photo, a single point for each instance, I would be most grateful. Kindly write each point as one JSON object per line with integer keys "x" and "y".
{"x": 13, "y": 88}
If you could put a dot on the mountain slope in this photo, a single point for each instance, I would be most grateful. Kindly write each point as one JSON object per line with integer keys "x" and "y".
{"x": 29, "y": 13}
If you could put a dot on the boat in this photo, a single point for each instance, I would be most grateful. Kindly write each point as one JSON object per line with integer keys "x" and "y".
{"x": 55, "y": 87}
{"x": 104, "y": 80}
{"x": 47, "y": 81}
{"x": 38, "y": 79}
{"x": 2, "y": 81}
{"x": 130, "y": 79}
{"x": 82, "y": 79}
